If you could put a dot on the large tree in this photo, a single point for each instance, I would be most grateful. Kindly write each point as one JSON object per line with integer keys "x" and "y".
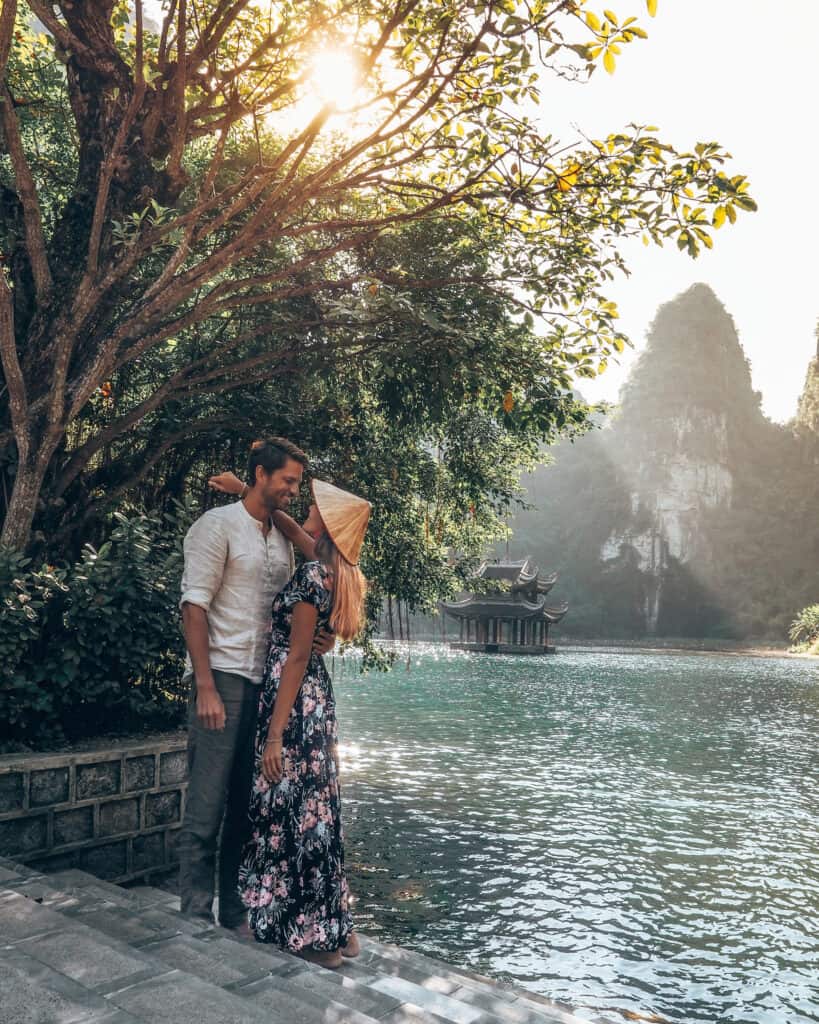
{"x": 153, "y": 195}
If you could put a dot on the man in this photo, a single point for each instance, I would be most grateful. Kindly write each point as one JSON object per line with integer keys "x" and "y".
{"x": 236, "y": 561}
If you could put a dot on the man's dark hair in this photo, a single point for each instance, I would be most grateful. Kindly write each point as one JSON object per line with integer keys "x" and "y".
{"x": 271, "y": 454}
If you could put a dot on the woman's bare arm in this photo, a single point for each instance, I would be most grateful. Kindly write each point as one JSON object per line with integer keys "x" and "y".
{"x": 302, "y": 628}
{"x": 294, "y": 533}
{"x": 227, "y": 483}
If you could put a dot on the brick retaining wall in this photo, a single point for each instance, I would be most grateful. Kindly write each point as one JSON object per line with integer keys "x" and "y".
{"x": 114, "y": 810}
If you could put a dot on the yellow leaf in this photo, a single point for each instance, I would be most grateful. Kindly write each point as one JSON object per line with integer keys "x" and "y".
{"x": 373, "y": 289}
{"x": 508, "y": 402}
{"x": 602, "y": 367}
{"x": 609, "y": 62}
{"x": 652, "y": 7}
{"x": 568, "y": 179}
{"x": 592, "y": 21}
{"x": 719, "y": 217}
{"x": 645, "y": 240}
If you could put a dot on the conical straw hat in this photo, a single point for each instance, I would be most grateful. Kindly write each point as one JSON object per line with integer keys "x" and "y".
{"x": 345, "y": 515}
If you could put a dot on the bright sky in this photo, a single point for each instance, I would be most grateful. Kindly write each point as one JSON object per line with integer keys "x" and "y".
{"x": 739, "y": 72}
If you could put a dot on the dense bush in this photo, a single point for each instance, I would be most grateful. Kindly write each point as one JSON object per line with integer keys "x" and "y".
{"x": 804, "y": 631}
{"x": 94, "y": 646}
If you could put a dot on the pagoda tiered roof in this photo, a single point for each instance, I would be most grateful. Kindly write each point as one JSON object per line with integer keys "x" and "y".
{"x": 522, "y": 575}
{"x": 512, "y": 616}
{"x": 493, "y": 606}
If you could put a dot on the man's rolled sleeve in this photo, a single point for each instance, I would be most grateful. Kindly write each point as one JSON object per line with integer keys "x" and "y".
{"x": 205, "y": 548}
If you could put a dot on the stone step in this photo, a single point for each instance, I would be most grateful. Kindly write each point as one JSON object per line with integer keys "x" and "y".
{"x": 463, "y": 986}
{"x": 148, "y": 894}
{"x": 176, "y": 997}
{"x": 115, "y": 955}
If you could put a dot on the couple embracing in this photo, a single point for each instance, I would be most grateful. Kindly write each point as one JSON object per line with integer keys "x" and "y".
{"x": 262, "y": 749}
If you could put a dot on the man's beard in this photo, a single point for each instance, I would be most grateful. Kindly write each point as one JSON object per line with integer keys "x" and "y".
{"x": 277, "y": 503}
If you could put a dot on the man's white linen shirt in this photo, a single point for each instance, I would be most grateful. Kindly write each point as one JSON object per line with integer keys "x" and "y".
{"x": 233, "y": 571}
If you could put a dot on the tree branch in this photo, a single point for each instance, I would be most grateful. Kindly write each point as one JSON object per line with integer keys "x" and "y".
{"x": 18, "y": 400}
{"x": 177, "y": 90}
{"x": 8, "y": 14}
{"x": 145, "y": 466}
{"x": 109, "y": 65}
{"x": 27, "y": 191}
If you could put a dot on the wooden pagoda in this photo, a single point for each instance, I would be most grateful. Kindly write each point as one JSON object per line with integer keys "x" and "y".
{"x": 512, "y": 617}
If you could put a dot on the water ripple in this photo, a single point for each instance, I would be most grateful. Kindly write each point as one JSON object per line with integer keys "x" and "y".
{"x": 629, "y": 832}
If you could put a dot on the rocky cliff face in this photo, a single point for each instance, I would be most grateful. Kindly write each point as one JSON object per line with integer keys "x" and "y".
{"x": 657, "y": 520}
{"x": 807, "y": 416}
{"x": 667, "y": 512}
{"x": 674, "y": 441}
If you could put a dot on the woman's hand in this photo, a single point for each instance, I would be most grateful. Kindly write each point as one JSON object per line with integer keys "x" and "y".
{"x": 227, "y": 483}
{"x": 272, "y": 759}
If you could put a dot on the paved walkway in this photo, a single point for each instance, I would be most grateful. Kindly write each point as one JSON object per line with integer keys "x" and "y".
{"x": 77, "y": 950}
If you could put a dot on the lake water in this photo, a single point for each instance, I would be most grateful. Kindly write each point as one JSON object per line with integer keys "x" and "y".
{"x": 625, "y": 832}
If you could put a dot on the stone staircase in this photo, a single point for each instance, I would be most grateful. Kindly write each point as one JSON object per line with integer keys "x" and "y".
{"x": 77, "y": 950}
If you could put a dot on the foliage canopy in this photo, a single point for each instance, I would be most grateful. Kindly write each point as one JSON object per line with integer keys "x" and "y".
{"x": 180, "y": 219}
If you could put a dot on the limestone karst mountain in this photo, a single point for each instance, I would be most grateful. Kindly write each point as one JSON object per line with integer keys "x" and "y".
{"x": 807, "y": 415}
{"x": 689, "y": 513}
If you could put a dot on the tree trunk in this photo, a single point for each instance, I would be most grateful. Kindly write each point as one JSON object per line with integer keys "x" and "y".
{"x": 35, "y": 453}
{"x": 23, "y": 502}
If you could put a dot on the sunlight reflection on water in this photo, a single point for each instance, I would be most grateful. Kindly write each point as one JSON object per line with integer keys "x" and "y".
{"x": 623, "y": 832}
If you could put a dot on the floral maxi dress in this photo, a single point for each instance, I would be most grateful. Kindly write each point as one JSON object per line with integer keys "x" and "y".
{"x": 292, "y": 876}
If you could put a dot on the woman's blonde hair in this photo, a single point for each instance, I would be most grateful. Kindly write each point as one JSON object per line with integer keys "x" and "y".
{"x": 349, "y": 590}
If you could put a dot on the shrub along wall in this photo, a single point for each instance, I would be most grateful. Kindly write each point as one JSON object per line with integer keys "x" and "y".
{"x": 114, "y": 810}
{"x": 93, "y": 647}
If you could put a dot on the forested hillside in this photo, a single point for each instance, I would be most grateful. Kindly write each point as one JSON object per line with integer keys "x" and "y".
{"x": 688, "y": 513}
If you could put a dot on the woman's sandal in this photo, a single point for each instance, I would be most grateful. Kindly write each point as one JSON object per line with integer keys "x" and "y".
{"x": 351, "y": 947}
{"x": 329, "y": 958}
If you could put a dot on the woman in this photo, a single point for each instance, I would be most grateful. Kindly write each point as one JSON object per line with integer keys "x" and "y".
{"x": 292, "y": 876}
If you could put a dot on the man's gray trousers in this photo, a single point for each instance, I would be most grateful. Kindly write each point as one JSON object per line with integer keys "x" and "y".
{"x": 220, "y": 766}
